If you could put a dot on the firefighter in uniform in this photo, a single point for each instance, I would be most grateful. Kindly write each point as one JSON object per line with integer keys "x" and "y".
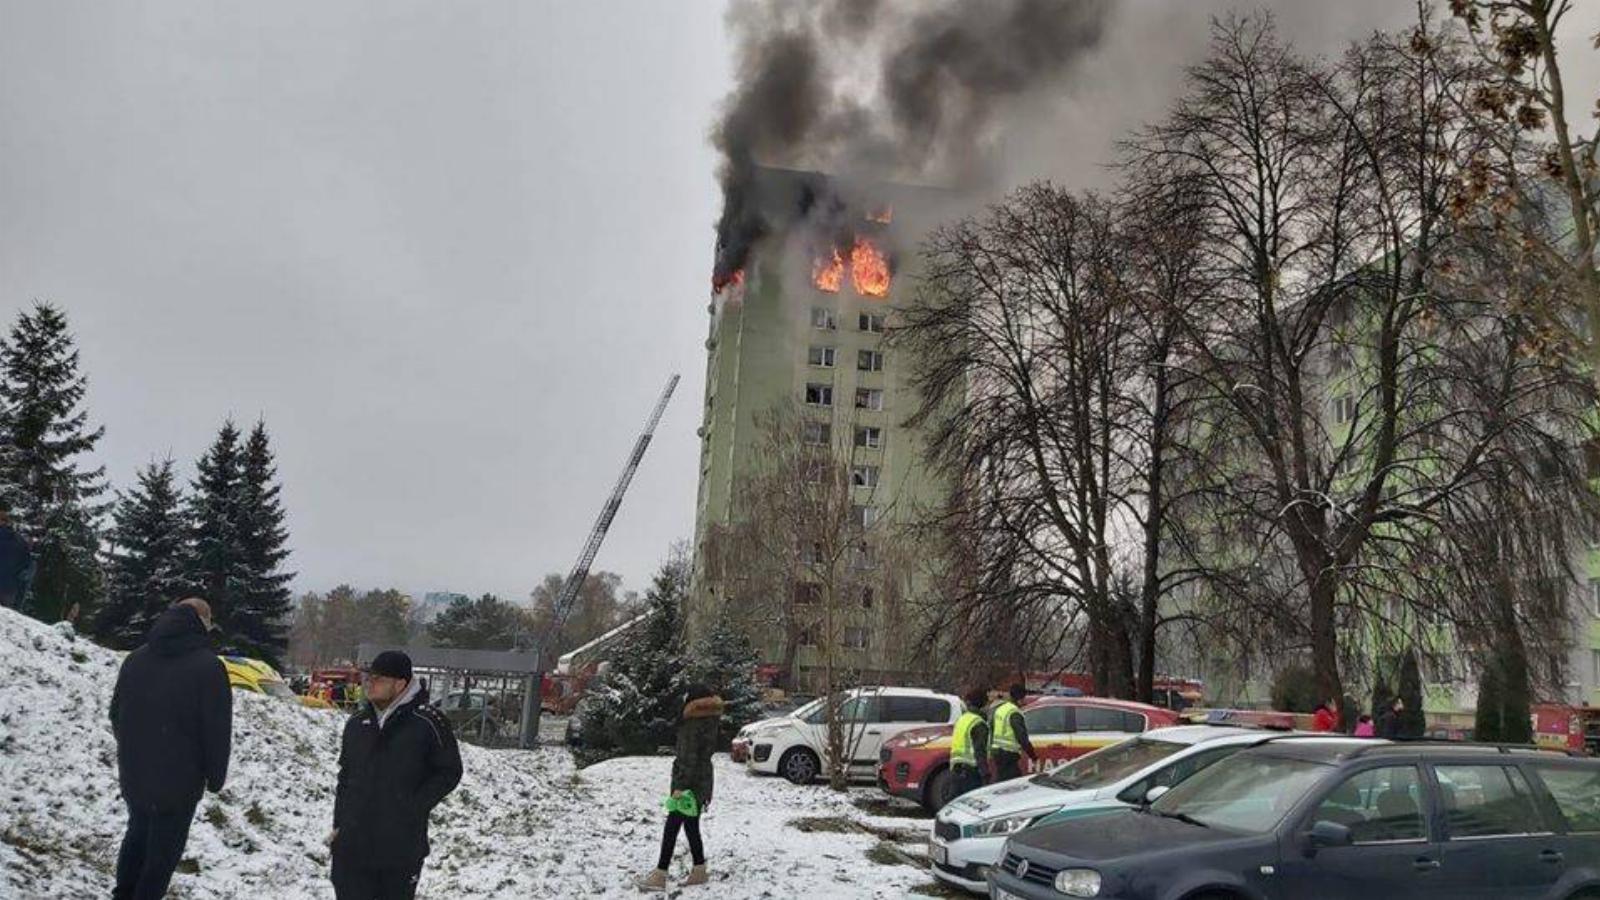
{"x": 1009, "y": 738}
{"x": 969, "y": 747}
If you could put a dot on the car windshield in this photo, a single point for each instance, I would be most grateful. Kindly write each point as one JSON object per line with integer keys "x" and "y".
{"x": 1109, "y": 765}
{"x": 1250, "y": 792}
{"x": 276, "y": 688}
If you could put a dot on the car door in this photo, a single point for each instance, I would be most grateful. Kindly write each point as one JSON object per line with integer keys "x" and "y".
{"x": 1101, "y": 726}
{"x": 1497, "y": 843}
{"x": 1050, "y": 733}
{"x": 1390, "y": 854}
{"x": 1572, "y": 789}
{"x": 864, "y": 723}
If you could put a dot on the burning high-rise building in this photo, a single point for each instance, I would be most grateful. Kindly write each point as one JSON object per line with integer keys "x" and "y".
{"x": 797, "y": 351}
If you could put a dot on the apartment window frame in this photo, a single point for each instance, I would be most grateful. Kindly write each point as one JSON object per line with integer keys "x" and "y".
{"x": 871, "y": 323}
{"x": 816, "y": 434}
{"x": 818, "y": 394}
{"x": 869, "y": 437}
{"x": 865, "y": 476}
{"x": 856, "y": 637}
{"x": 869, "y": 360}
{"x": 1345, "y": 408}
{"x": 864, "y": 515}
{"x": 821, "y": 356}
{"x": 870, "y": 399}
{"x": 824, "y": 319}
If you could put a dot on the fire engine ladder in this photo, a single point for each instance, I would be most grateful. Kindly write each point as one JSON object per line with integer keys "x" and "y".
{"x": 580, "y": 570}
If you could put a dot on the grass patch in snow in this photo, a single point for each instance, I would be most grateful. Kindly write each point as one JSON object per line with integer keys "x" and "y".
{"x": 830, "y": 824}
{"x": 886, "y": 853}
{"x": 890, "y": 807}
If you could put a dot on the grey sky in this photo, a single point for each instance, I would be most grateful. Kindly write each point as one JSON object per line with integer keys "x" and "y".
{"x": 449, "y": 251}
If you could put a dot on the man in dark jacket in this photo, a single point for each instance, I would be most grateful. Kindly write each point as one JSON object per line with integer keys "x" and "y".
{"x": 1008, "y": 738}
{"x": 397, "y": 761}
{"x": 172, "y": 714}
{"x": 1388, "y": 723}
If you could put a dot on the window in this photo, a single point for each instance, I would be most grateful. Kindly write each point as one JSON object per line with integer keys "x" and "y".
{"x": 916, "y": 709}
{"x": 1377, "y": 805}
{"x": 870, "y": 322}
{"x": 1097, "y": 718}
{"x": 1486, "y": 801}
{"x": 863, "y": 709}
{"x": 1044, "y": 720}
{"x": 808, "y": 636}
{"x": 855, "y": 638}
{"x": 1344, "y": 409}
{"x": 1171, "y": 775}
{"x": 869, "y": 398}
{"x": 1594, "y": 596}
{"x": 1576, "y": 793}
{"x": 806, "y": 593}
{"x": 864, "y": 516}
{"x": 819, "y": 394}
{"x": 869, "y": 360}
{"x": 822, "y": 318}
{"x": 869, "y": 436}
{"x": 1245, "y": 792}
{"x": 864, "y": 476}
{"x": 810, "y": 553}
{"x": 863, "y": 558}
{"x": 817, "y": 434}
{"x": 865, "y": 596}
{"x": 821, "y": 356}
{"x": 814, "y": 471}
{"x": 1596, "y": 663}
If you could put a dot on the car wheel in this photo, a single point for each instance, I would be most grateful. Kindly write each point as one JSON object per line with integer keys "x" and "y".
{"x": 937, "y": 793}
{"x": 800, "y": 766}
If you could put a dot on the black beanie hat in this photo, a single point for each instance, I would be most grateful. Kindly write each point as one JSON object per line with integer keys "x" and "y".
{"x": 392, "y": 664}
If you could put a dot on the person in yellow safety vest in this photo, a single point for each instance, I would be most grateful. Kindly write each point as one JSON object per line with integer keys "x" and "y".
{"x": 969, "y": 747}
{"x": 1009, "y": 738}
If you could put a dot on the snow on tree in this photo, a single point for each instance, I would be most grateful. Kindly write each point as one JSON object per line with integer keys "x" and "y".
{"x": 145, "y": 558}
{"x": 725, "y": 661}
{"x": 51, "y": 497}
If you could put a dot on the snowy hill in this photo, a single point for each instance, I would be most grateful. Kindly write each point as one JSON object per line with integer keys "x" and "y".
{"x": 522, "y": 824}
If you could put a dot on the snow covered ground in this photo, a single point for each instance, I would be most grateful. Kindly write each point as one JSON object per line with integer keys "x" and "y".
{"x": 522, "y": 824}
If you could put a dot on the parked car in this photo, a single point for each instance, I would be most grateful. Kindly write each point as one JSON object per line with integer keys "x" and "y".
{"x": 916, "y": 765}
{"x": 970, "y": 832}
{"x": 794, "y": 746}
{"x": 1334, "y": 819}
{"x": 256, "y": 677}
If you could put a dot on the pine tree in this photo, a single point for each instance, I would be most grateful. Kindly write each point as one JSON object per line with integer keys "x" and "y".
{"x": 1382, "y": 695}
{"x": 1413, "y": 719}
{"x": 487, "y": 623}
{"x": 725, "y": 661}
{"x": 146, "y": 557}
{"x": 1486, "y": 719}
{"x": 259, "y": 619}
{"x": 214, "y": 565}
{"x": 52, "y": 500}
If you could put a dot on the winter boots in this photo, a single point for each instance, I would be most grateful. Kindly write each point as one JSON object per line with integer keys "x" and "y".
{"x": 656, "y": 881}
{"x": 697, "y": 875}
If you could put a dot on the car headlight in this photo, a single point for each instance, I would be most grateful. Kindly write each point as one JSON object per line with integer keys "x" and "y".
{"x": 1001, "y": 826}
{"x": 1078, "y": 882}
{"x": 917, "y": 740}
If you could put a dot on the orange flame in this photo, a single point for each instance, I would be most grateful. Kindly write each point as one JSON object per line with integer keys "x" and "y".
{"x": 869, "y": 269}
{"x": 733, "y": 280}
{"x": 828, "y": 274}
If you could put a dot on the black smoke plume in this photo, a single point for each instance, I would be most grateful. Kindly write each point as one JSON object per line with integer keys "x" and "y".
{"x": 883, "y": 89}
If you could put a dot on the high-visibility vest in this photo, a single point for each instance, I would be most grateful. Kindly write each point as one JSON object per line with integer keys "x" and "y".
{"x": 962, "y": 753}
{"x": 1002, "y": 736}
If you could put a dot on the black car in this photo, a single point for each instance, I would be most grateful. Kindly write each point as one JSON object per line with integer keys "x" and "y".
{"x": 1314, "y": 818}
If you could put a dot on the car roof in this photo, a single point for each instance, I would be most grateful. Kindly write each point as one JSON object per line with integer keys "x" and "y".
{"x": 1321, "y": 748}
{"x": 1106, "y": 702}
{"x": 1215, "y": 734}
{"x": 901, "y": 692}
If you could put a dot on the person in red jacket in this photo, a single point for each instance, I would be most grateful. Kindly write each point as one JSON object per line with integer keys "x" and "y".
{"x": 1326, "y": 718}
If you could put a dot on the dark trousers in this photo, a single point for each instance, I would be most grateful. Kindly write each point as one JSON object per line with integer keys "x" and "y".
{"x": 669, "y": 839}
{"x": 151, "y": 848}
{"x": 353, "y": 881}
{"x": 1006, "y": 765}
{"x": 963, "y": 779}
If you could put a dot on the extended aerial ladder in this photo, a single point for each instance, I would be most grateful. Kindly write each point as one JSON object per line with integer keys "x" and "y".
{"x": 580, "y": 569}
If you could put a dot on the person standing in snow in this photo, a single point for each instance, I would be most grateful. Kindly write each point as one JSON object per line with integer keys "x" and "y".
{"x": 397, "y": 761}
{"x": 16, "y": 564}
{"x": 172, "y": 714}
{"x": 692, "y": 782}
{"x": 1008, "y": 737}
{"x": 969, "y": 746}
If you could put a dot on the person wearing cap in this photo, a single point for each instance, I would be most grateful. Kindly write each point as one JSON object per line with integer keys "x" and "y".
{"x": 397, "y": 761}
{"x": 172, "y": 715}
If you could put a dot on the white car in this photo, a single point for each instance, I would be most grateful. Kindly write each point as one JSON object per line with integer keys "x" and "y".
{"x": 971, "y": 830}
{"x": 795, "y": 745}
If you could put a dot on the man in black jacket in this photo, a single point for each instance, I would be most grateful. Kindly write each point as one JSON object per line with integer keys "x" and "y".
{"x": 172, "y": 715}
{"x": 397, "y": 761}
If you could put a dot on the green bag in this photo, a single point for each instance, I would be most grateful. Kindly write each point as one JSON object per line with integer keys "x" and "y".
{"x": 684, "y": 804}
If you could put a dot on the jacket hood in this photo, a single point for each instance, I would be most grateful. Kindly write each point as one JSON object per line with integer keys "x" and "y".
{"x": 703, "y": 708}
{"x": 414, "y": 694}
{"x": 177, "y": 631}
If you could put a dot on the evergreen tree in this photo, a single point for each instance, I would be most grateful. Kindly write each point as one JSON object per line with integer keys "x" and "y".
{"x": 1413, "y": 720}
{"x": 1486, "y": 719}
{"x": 725, "y": 661}
{"x": 1382, "y": 695}
{"x": 214, "y": 566}
{"x": 634, "y": 707}
{"x": 145, "y": 568}
{"x": 260, "y": 617}
{"x": 487, "y": 623}
{"x": 52, "y": 499}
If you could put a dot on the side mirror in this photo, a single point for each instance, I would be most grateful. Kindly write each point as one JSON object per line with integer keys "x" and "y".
{"x": 1155, "y": 793}
{"x": 1329, "y": 834}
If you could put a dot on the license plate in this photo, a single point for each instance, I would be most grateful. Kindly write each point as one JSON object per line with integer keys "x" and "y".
{"x": 940, "y": 854}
